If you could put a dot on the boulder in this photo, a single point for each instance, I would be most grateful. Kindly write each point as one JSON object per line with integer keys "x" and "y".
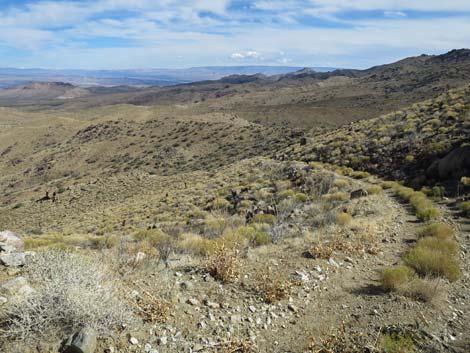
{"x": 16, "y": 286}
{"x": 9, "y": 238}
{"x": 7, "y": 248}
{"x": 454, "y": 165}
{"x": 13, "y": 259}
{"x": 83, "y": 341}
{"x": 358, "y": 193}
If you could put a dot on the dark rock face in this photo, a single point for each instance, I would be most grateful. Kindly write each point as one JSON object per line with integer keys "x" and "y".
{"x": 455, "y": 164}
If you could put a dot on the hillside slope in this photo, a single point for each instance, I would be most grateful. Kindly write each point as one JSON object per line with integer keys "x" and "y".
{"x": 401, "y": 145}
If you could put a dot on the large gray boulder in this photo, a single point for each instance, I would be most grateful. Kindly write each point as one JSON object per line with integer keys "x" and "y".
{"x": 84, "y": 341}
{"x": 454, "y": 165}
{"x": 12, "y": 239}
{"x": 13, "y": 259}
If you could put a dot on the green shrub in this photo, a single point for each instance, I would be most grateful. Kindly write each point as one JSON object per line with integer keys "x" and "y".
{"x": 465, "y": 207}
{"x": 465, "y": 181}
{"x": 438, "y": 230}
{"x": 343, "y": 218}
{"x": 374, "y": 189}
{"x": 300, "y": 197}
{"x": 393, "y": 278}
{"x": 337, "y": 196}
{"x": 397, "y": 343}
{"x": 264, "y": 218}
{"x": 424, "y": 208}
{"x": 447, "y": 246}
{"x": 430, "y": 262}
{"x": 286, "y": 194}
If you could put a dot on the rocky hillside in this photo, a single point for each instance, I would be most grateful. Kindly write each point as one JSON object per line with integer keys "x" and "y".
{"x": 424, "y": 143}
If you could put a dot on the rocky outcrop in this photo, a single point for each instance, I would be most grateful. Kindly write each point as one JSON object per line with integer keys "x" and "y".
{"x": 454, "y": 165}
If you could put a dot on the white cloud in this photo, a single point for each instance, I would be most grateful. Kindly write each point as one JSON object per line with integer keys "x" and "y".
{"x": 245, "y": 55}
{"x": 394, "y": 14}
{"x": 59, "y": 33}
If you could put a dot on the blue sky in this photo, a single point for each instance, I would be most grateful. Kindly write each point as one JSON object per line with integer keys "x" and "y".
{"x": 117, "y": 34}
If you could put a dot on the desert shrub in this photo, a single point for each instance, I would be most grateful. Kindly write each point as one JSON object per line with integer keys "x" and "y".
{"x": 300, "y": 197}
{"x": 423, "y": 207}
{"x": 430, "y": 262}
{"x": 264, "y": 218}
{"x": 394, "y": 278}
{"x": 337, "y": 196}
{"x": 220, "y": 204}
{"x": 286, "y": 194}
{"x": 215, "y": 225}
{"x": 341, "y": 183}
{"x": 447, "y": 246}
{"x": 438, "y": 192}
{"x": 196, "y": 244}
{"x": 465, "y": 181}
{"x": 255, "y": 235}
{"x": 360, "y": 175}
{"x": 465, "y": 208}
{"x": 438, "y": 230}
{"x": 154, "y": 241}
{"x": 343, "y": 218}
{"x": 428, "y": 290}
{"x": 374, "y": 189}
{"x": 72, "y": 290}
{"x": 223, "y": 264}
{"x": 272, "y": 286}
{"x": 397, "y": 343}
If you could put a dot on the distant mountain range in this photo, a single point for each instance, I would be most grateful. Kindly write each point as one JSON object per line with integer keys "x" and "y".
{"x": 10, "y": 77}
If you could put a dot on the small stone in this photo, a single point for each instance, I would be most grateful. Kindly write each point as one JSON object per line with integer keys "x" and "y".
{"x": 292, "y": 308}
{"x": 193, "y": 301}
{"x": 110, "y": 349}
{"x": 198, "y": 347}
{"x": 3, "y": 300}
{"x": 186, "y": 285}
{"x": 162, "y": 341}
{"x": 147, "y": 347}
{"x": 210, "y": 304}
{"x": 252, "y": 308}
{"x": 133, "y": 341}
{"x": 235, "y": 319}
{"x": 333, "y": 262}
{"x": 84, "y": 341}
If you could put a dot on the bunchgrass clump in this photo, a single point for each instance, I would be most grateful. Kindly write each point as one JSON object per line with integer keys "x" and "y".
{"x": 428, "y": 261}
{"x": 343, "y": 218}
{"x": 438, "y": 230}
{"x": 395, "y": 278}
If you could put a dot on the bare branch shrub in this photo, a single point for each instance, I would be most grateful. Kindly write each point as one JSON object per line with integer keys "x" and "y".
{"x": 72, "y": 291}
